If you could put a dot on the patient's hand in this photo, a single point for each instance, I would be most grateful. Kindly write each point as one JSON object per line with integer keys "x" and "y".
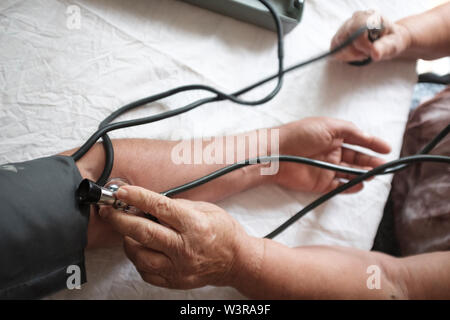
{"x": 395, "y": 40}
{"x": 321, "y": 139}
{"x": 197, "y": 243}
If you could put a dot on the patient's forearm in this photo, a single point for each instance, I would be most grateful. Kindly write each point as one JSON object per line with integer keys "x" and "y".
{"x": 340, "y": 273}
{"x": 430, "y": 33}
{"x": 149, "y": 163}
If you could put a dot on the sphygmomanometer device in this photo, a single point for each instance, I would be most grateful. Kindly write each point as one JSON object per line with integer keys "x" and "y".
{"x": 251, "y": 11}
{"x": 98, "y": 193}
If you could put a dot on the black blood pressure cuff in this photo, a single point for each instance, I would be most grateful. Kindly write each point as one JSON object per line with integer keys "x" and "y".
{"x": 43, "y": 230}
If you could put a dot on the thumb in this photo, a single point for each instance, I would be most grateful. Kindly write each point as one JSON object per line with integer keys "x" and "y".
{"x": 388, "y": 47}
{"x": 163, "y": 208}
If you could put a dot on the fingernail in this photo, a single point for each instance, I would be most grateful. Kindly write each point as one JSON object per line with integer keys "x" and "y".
{"x": 122, "y": 193}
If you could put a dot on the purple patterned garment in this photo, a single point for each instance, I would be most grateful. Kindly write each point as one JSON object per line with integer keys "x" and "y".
{"x": 421, "y": 194}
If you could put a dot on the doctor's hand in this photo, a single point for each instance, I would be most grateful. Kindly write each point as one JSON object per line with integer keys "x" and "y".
{"x": 321, "y": 138}
{"x": 197, "y": 243}
{"x": 396, "y": 38}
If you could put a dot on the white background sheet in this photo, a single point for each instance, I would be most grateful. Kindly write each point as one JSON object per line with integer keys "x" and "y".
{"x": 57, "y": 84}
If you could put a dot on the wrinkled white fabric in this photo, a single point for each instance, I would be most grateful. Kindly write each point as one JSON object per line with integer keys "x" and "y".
{"x": 57, "y": 84}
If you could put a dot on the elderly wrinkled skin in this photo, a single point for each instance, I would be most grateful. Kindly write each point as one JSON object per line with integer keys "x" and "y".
{"x": 200, "y": 241}
{"x": 199, "y": 244}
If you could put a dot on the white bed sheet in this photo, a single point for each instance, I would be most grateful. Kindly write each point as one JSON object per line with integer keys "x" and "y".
{"x": 57, "y": 84}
